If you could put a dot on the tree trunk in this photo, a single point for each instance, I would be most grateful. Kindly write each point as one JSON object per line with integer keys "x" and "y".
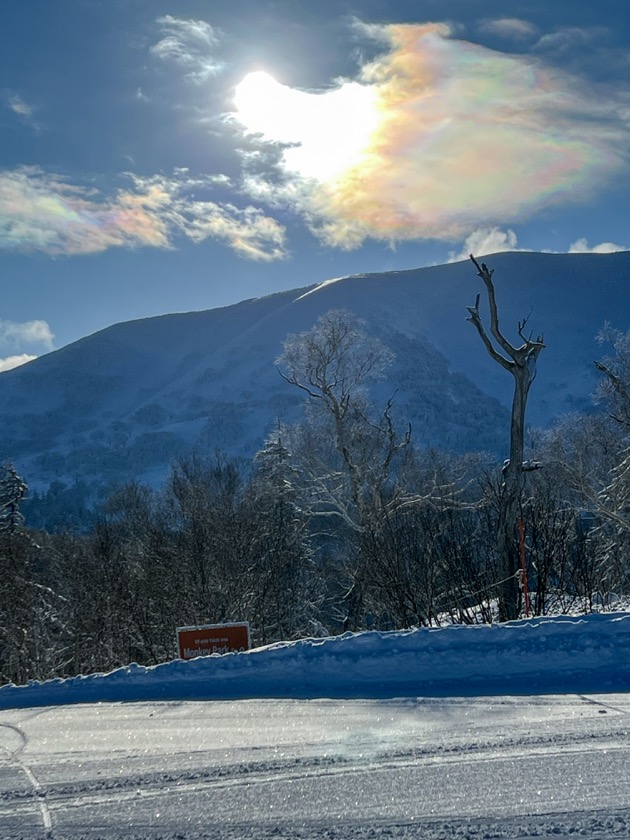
{"x": 510, "y": 502}
{"x": 521, "y": 363}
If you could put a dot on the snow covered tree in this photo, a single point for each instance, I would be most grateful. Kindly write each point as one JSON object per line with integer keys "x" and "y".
{"x": 614, "y": 386}
{"x": 16, "y": 591}
{"x": 30, "y": 624}
{"x": 286, "y": 586}
{"x": 347, "y": 451}
{"x": 12, "y": 491}
{"x": 333, "y": 363}
{"x": 612, "y": 499}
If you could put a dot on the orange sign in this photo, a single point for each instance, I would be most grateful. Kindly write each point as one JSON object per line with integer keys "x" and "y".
{"x": 212, "y": 638}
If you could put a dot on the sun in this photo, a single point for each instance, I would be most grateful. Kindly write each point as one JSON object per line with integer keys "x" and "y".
{"x": 257, "y": 99}
{"x": 325, "y": 132}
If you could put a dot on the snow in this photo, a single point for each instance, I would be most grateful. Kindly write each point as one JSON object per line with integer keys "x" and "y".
{"x": 323, "y": 285}
{"x": 559, "y": 654}
{"x": 509, "y": 731}
{"x": 209, "y": 380}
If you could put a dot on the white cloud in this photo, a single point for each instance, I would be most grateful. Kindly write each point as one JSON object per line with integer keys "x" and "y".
{"x": 486, "y": 241}
{"x": 16, "y": 104}
{"x": 11, "y": 362}
{"x": 567, "y": 39}
{"x": 515, "y": 28}
{"x": 581, "y": 246}
{"x": 189, "y": 44}
{"x": 26, "y": 332}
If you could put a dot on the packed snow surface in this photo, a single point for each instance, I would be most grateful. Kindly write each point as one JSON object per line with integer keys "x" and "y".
{"x": 533, "y": 656}
{"x": 553, "y": 762}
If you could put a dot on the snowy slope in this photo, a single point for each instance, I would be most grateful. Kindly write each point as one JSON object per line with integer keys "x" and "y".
{"x": 544, "y": 655}
{"x": 127, "y": 400}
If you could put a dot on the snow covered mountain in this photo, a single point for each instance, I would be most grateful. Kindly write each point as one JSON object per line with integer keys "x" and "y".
{"x": 126, "y": 401}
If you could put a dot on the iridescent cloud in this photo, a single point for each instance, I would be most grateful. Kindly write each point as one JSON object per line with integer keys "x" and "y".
{"x": 42, "y": 212}
{"x": 461, "y": 137}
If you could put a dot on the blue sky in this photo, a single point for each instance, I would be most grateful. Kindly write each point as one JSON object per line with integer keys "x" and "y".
{"x": 163, "y": 155}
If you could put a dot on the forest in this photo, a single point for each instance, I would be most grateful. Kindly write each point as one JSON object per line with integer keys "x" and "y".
{"x": 340, "y": 523}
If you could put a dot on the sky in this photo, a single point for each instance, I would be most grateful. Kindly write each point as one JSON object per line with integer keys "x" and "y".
{"x": 165, "y": 156}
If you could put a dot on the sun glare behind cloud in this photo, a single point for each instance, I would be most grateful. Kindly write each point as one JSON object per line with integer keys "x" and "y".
{"x": 434, "y": 138}
{"x": 325, "y": 132}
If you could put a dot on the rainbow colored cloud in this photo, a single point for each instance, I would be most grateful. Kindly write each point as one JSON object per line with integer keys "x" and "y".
{"x": 462, "y": 137}
{"x": 43, "y": 212}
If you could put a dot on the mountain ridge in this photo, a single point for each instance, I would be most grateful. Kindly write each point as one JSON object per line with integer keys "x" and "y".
{"x": 127, "y": 400}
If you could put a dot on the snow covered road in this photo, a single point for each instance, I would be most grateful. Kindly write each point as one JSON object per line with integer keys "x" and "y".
{"x": 511, "y": 767}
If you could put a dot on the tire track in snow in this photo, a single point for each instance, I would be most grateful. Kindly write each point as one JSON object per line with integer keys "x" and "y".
{"x": 14, "y": 758}
{"x": 110, "y": 790}
{"x": 603, "y": 706}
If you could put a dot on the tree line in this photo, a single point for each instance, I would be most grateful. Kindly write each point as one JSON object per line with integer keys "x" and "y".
{"x": 340, "y": 523}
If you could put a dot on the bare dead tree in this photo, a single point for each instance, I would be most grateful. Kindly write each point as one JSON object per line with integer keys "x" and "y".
{"x": 520, "y": 362}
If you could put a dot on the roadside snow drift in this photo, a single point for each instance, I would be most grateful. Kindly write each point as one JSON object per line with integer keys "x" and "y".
{"x": 565, "y": 654}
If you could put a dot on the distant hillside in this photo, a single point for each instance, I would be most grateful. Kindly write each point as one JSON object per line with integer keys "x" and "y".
{"x": 126, "y": 401}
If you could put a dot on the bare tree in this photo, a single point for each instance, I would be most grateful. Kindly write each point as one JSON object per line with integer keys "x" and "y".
{"x": 332, "y": 363}
{"x": 614, "y": 388}
{"x": 353, "y": 474}
{"x": 597, "y": 464}
{"x": 520, "y": 362}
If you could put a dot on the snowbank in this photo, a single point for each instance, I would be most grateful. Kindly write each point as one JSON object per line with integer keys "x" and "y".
{"x": 565, "y": 654}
